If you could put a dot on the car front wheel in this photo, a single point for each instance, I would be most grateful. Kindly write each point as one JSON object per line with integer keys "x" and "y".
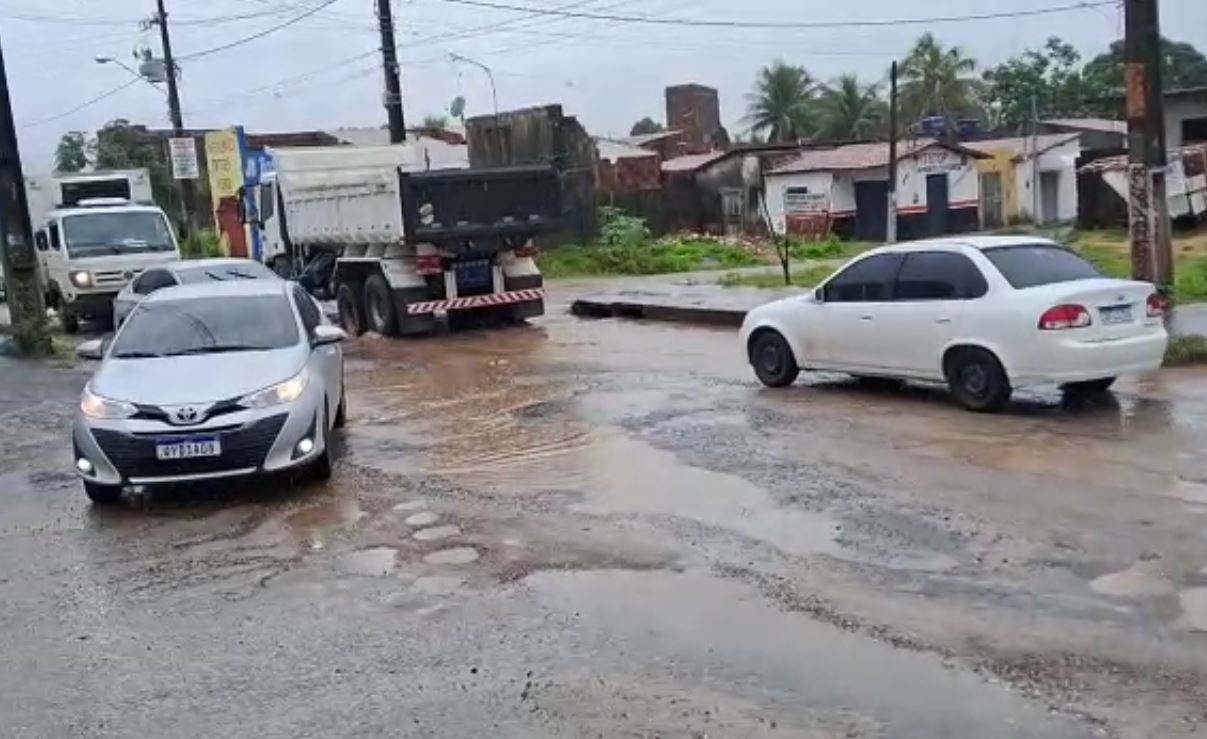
{"x": 772, "y": 358}
{"x": 977, "y": 380}
{"x": 1089, "y": 387}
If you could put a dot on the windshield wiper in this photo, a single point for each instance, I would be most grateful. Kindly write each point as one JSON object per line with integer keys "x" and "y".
{"x": 222, "y": 276}
{"x": 218, "y": 349}
{"x": 137, "y": 355}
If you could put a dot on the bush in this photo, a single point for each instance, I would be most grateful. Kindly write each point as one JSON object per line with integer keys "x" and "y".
{"x": 618, "y": 228}
{"x": 204, "y": 243}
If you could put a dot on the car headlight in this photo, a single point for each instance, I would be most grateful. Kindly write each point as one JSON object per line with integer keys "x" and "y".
{"x": 81, "y": 279}
{"x": 282, "y": 392}
{"x": 98, "y": 406}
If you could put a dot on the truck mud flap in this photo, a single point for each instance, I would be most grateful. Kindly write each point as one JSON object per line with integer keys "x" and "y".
{"x": 477, "y": 301}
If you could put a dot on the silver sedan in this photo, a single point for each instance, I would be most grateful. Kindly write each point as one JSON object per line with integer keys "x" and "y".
{"x": 185, "y": 272}
{"x": 211, "y": 381}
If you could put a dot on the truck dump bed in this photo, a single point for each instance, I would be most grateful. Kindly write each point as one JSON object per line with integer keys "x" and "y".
{"x": 454, "y": 205}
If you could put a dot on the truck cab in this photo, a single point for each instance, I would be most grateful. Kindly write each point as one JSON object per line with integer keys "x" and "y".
{"x": 89, "y": 251}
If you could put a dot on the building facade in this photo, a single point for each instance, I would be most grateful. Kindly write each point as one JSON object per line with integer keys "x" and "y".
{"x": 1029, "y": 178}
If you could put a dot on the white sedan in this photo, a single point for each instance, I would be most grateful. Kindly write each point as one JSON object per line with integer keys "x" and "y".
{"x": 985, "y": 314}
{"x": 185, "y": 272}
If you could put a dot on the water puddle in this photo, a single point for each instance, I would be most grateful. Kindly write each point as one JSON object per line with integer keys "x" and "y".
{"x": 1188, "y": 491}
{"x": 426, "y": 518}
{"x": 1141, "y": 580}
{"x": 1194, "y": 609}
{"x": 409, "y": 505}
{"x": 376, "y": 562}
{"x": 452, "y": 556}
{"x": 436, "y": 533}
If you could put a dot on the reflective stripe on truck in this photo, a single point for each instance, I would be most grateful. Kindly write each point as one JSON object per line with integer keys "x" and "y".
{"x": 477, "y": 301}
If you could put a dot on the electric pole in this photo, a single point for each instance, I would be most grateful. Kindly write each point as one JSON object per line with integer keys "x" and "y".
{"x": 188, "y": 192}
{"x": 1148, "y": 208}
{"x": 389, "y": 60}
{"x": 890, "y": 231}
{"x": 27, "y": 311}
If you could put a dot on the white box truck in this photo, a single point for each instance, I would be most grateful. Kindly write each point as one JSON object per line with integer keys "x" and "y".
{"x": 400, "y": 247}
{"x": 94, "y": 233}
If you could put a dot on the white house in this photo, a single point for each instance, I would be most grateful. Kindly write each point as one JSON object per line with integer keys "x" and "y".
{"x": 938, "y": 190}
{"x": 1028, "y": 178}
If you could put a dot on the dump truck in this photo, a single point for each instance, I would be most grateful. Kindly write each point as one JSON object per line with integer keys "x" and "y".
{"x": 402, "y": 247}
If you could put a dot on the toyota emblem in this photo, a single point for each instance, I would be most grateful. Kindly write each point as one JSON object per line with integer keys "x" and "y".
{"x": 128, "y": 275}
{"x": 186, "y": 415}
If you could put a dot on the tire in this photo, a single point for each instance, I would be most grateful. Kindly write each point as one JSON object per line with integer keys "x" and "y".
{"x": 350, "y": 315}
{"x": 1089, "y": 387}
{"x": 380, "y": 315}
{"x": 341, "y": 411}
{"x": 105, "y": 495}
{"x": 282, "y": 266}
{"x": 69, "y": 321}
{"x": 772, "y": 359}
{"x": 977, "y": 380}
{"x": 320, "y": 469}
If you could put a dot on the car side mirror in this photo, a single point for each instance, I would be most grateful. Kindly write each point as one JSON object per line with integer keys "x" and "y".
{"x": 819, "y": 296}
{"x": 93, "y": 349}
{"x": 324, "y": 335}
{"x": 41, "y": 241}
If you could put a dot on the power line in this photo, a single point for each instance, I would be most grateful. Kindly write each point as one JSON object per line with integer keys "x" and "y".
{"x": 260, "y": 34}
{"x": 707, "y": 23}
{"x": 81, "y": 106}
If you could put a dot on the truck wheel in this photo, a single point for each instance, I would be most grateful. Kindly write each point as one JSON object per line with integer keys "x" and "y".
{"x": 350, "y": 316}
{"x": 379, "y": 306}
{"x": 69, "y": 320}
{"x": 282, "y": 266}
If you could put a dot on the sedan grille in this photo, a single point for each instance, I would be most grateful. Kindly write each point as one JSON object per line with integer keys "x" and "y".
{"x": 242, "y": 447}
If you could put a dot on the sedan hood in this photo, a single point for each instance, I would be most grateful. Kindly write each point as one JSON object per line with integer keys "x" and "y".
{"x": 203, "y": 378}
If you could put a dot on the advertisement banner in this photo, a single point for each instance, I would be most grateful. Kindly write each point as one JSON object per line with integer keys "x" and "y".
{"x": 183, "y": 153}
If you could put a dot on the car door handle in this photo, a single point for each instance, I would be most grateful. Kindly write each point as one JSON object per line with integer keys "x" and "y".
{"x": 865, "y": 318}
{"x": 943, "y": 319}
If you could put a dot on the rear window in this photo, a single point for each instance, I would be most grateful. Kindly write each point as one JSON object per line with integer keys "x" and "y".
{"x": 1032, "y": 265}
{"x": 207, "y": 326}
{"x": 237, "y": 271}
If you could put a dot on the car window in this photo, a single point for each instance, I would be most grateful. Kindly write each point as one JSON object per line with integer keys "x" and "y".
{"x": 207, "y": 325}
{"x": 935, "y": 275}
{"x": 867, "y": 280}
{"x": 152, "y": 280}
{"x": 53, "y": 228}
{"x": 311, "y": 317}
{"x": 248, "y": 270}
{"x": 1031, "y": 265}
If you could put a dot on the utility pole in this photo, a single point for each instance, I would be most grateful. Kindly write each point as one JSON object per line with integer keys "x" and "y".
{"x": 1036, "y": 204}
{"x": 890, "y": 235}
{"x": 188, "y": 192}
{"x": 27, "y": 311}
{"x": 1148, "y": 211}
{"x": 389, "y": 61}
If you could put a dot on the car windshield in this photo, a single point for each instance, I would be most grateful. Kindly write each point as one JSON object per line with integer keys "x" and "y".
{"x": 248, "y": 270}
{"x": 207, "y": 326}
{"x": 96, "y": 234}
{"x": 1031, "y": 265}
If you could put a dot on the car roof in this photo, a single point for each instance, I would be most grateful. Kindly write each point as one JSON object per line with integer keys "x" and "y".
{"x": 200, "y": 265}
{"x": 218, "y": 289}
{"x": 970, "y": 241}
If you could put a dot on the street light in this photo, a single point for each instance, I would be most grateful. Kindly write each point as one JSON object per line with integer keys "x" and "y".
{"x": 494, "y": 93}
{"x": 106, "y": 59}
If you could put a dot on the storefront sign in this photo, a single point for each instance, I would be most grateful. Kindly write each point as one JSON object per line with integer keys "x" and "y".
{"x": 183, "y": 153}
{"x": 937, "y": 159}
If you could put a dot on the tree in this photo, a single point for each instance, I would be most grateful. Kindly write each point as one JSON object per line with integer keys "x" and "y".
{"x": 645, "y": 126}
{"x": 438, "y": 122}
{"x": 71, "y": 155}
{"x": 937, "y": 81}
{"x": 1182, "y": 65}
{"x": 850, "y": 110}
{"x": 781, "y": 105}
{"x": 120, "y": 144}
{"x": 1046, "y": 81}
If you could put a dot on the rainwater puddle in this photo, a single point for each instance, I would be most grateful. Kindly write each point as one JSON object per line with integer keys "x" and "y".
{"x": 427, "y": 518}
{"x": 1194, "y": 609}
{"x": 314, "y": 524}
{"x": 729, "y": 632}
{"x": 1141, "y": 580}
{"x": 624, "y": 476}
{"x": 436, "y": 533}
{"x": 1188, "y": 491}
{"x": 410, "y": 505}
{"x": 375, "y": 562}
{"x": 452, "y": 556}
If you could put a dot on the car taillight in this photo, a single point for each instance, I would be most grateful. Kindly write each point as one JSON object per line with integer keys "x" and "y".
{"x": 1064, "y": 316}
{"x": 428, "y": 264}
{"x": 1156, "y": 305}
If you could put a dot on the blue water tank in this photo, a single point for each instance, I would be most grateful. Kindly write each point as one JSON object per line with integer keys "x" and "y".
{"x": 968, "y": 128}
{"x": 935, "y": 125}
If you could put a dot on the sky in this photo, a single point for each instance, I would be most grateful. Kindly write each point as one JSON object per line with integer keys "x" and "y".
{"x": 323, "y": 72}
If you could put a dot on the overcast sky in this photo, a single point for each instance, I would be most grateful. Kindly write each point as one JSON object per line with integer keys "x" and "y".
{"x": 607, "y": 73}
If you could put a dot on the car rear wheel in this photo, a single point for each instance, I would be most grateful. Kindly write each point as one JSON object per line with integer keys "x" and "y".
{"x": 772, "y": 358}
{"x": 341, "y": 411}
{"x": 350, "y": 316}
{"x": 977, "y": 380}
{"x": 1089, "y": 387}
{"x": 103, "y": 494}
{"x": 69, "y": 321}
{"x": 379, "y": 306}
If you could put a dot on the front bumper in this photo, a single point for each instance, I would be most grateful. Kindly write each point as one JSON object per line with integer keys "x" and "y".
{"x": 92, "y": 304}
{"x": 263, "y": 441}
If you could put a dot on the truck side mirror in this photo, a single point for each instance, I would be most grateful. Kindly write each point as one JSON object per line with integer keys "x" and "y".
{"x": 41, "y": 241}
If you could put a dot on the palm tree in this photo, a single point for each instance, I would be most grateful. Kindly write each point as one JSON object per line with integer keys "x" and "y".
{"x": 937, "y": 81}
{"x": 781, "y": 104}
{"x": 851, "y": 110}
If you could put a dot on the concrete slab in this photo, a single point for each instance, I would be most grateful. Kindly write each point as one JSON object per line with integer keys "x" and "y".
{"x": 705, "y": 304}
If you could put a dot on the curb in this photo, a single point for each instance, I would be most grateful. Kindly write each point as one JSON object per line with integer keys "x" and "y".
{"x": 591, "y": 308}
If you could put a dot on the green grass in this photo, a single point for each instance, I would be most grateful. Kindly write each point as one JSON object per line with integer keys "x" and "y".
{"x": 805, "y": 277}
{"x": 1186, "y": 350}
{"x": 831, "y": 248}
{"x": 644, "y": 258}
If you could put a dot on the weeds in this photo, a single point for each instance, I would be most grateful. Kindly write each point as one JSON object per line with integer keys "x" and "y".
{"x": 1186, "y": 350}
{"x": 808, "y": 277}
{"x": 204, "y": 243}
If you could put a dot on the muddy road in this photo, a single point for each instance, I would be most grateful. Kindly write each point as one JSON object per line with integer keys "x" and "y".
{"x": 606, "y": 529}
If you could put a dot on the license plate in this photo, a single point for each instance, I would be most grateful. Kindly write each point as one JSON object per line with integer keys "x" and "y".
{"x": 1116, "y": 314}
{"x": 190, "y": 448}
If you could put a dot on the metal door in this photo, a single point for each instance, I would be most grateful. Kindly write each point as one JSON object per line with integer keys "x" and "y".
{"x": 936, "y": 204}
{"x": 991, "y": 200}
{"x": 1049, "y": 197}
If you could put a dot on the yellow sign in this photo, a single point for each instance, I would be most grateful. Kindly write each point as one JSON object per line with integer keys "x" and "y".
{"x": 225, "y": 164}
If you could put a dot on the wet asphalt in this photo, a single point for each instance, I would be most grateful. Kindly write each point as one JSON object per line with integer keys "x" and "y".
{"x": 605, "y": 528}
